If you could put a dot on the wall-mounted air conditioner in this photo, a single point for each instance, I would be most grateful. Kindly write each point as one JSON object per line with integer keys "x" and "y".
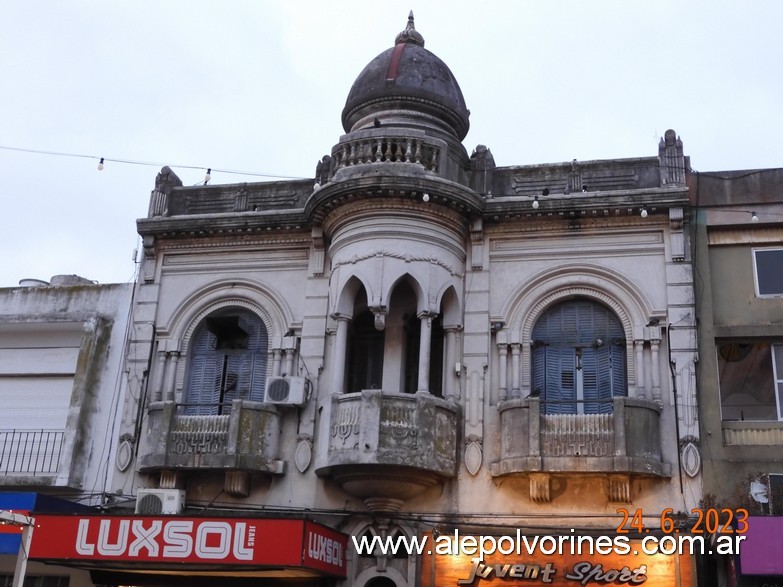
{"x": 285, "y": 391}
{"x": 160, "y": 501}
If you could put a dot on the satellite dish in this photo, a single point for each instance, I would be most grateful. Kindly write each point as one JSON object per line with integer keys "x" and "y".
{"x": 758, "y": 491}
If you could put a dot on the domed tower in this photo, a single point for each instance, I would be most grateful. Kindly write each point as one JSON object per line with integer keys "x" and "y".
{"x": 407, "y": 86}
{"x": 394, "y": 204}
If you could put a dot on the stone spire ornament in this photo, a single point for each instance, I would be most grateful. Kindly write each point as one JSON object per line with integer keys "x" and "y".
{"x": 410, "y": 34}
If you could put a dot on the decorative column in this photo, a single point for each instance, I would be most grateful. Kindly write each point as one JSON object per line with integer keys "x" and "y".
{"x": 289, "y": 362}
{"x": 157, "y": 394}
{"x": 639, "y": 348}
{"x": 276, "y": 354}
{"x": 503, "y": 370}
{"x": 171, "y": 374}
{"x": 338, "y": 356}
{"x": 450, "y": 384}
{"x": 425, "y": 342}
{"x": 515, "y": 348}
{"x": 656, "y": 371}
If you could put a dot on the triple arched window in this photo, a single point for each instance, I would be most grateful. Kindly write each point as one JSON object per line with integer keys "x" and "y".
{"x": 228, "y": 361}
{"x": 578, "y": 358}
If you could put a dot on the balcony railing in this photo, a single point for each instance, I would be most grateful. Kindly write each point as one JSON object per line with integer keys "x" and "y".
{"x": 186, "y": 437}
{"x": 387, "y": 149}
{"x": 752, "y": 433}
{"x": 30, "y": 452}
{"x": 387, "y": 447}
{"x": 626, "y": 441}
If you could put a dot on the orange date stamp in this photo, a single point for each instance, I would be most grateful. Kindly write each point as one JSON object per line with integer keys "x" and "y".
{"x": 705, "y": 521}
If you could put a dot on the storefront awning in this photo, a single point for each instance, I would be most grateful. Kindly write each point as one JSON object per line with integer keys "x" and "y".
{"x": 25, "y": 503}
{"x": 191, "y": 546}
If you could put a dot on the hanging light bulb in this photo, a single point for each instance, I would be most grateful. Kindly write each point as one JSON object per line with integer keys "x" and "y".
{"x": 754, "y": 217}
{"x": 644, "y": 212}
{"x": 535, "y": 203}
{"x": 100, "y": 164}
{"x": 425, "y": 197}
{"x": 208, "y": 176}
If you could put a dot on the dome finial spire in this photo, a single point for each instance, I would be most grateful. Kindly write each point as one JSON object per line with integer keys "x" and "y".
{"x": 410, "y": 34}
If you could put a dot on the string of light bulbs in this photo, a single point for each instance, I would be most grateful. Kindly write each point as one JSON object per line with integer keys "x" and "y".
{"x": 102, "y": 161}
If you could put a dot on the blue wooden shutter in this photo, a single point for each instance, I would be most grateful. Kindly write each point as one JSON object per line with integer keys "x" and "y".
{"x": 258, "y": 360}
{"x": 592, "y": 373}
{"x": 619, "y": 378}
{"x": 560, "y": 389}
{"x": 539, "y": 370}
{"x": 231, "y": 380}
{"x": 204, "y": 374}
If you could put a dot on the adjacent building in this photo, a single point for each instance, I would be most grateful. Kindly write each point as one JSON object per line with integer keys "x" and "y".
{"x": 738, "y": 255}
{"x": 62, "y": 351}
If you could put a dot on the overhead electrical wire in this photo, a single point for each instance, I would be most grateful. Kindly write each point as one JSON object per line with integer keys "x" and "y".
{"x": 102, "y": 161}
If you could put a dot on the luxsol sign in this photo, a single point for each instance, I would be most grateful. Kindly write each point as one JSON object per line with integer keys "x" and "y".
{"x": 151, "y": 541}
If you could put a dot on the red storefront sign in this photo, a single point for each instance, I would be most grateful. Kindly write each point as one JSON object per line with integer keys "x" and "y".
{"x": 151, "y": 541}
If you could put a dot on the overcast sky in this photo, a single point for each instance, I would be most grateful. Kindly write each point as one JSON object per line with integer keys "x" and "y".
{"x": 259, "y": 86}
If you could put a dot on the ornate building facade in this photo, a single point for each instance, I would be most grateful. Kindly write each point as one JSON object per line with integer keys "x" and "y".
{"x": 415, "y": 343}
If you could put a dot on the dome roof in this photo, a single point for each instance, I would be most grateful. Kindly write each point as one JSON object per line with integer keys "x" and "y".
{"x": 407, "y": 85}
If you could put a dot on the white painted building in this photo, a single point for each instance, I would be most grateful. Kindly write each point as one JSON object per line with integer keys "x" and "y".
{"x": 62, "y": 384}
{"x": 414, "y": 342}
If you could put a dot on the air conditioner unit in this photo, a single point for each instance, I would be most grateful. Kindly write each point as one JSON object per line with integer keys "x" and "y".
{"x": 160, "y": 501}
{"x": 285, "y": 391}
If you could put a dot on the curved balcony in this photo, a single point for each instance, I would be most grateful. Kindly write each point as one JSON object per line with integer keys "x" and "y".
{"x": 621, "y": 445}
{"x": 246, "y": 439}
{"x": 386, "y": 447}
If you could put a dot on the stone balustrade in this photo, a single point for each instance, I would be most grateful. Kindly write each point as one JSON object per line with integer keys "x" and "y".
{"x": 387, "y": 447}
{"x": 386, "y": 149}
{"x": 246, "y": 439}
{"x": 628, "y": 441}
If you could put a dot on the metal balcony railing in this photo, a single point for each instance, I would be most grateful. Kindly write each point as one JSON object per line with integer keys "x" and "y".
{"x": 35, "y": 452}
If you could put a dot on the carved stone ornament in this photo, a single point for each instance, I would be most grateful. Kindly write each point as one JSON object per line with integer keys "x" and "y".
{"x": 540, "y": 488}
{"x": 304, "y": 454}
{"x": 473, "y": 457}
{"x": 691, "y": 459}
{"x": 619, "y": 489}
{"x": 237, "y": 483}
{"x": 124, "y": 453}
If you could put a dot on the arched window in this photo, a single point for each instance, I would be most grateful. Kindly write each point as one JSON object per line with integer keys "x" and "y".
{"x": 578, "y": 358}
{"x": 228, "y": 361}
{"x": 365, "y": 354}
{"x": 383, "y": 345}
